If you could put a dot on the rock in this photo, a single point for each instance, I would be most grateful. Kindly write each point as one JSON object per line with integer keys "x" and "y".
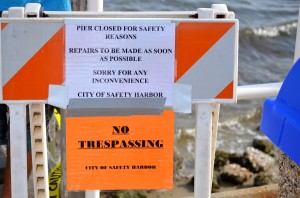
{"x": 127, "y": 194}
{"x": 262, "y": 179}
{"x": 256, "y": 161}
{"x": 192, "y": 181}
{"x": 215, "y": 184}
{"x": 236, "y": 158}
{"x": 2, "y": 175}
{"x": 222, "y": 158}
{"x": 234, "y": 173}
{"x": 263, "y": 145}
{"x": 178, "y": 161}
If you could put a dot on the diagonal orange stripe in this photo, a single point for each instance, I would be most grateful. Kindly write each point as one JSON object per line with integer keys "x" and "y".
{"x": 44, "y": 68}
{"x": 193, "y": 40}
{"x": 3, "y": 25}
{"x": 227, "y": 92}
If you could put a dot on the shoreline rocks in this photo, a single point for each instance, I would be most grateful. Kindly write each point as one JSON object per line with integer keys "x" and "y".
{"x": 257, "y": 161}
{"x": 254, "y": 167}
{"x": 262, "y": 179}
{"x": 264, "y": 145}
{"x": 236, "y": 174}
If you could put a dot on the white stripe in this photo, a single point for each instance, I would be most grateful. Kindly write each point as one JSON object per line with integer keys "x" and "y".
{"x": 214, "y": 70}
{"x": 22, "y": 41}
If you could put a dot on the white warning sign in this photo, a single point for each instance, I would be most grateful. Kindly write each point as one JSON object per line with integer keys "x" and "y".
{"x": 108, "y": 58}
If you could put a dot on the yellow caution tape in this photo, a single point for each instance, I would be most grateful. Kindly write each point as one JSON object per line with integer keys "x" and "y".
{"x": 54, "y": 181}
{"x": 57, "y": 116}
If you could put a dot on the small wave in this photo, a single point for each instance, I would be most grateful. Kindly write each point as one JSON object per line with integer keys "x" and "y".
{"x": 236, "y": 133}
{"x": 272, "y": 31}
{"x": 252, "y": 116}
{"x": 185, "y": 133}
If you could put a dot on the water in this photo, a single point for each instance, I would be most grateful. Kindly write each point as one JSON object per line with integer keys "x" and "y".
{"x": 266, "y": 49}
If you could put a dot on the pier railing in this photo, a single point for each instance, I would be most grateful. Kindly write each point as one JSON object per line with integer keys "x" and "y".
{"x": 247, "y": 92}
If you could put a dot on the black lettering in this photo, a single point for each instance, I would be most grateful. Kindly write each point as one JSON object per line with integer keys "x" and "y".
{"x": 84, "y": 28}
{"x": 163, "y": 51}
{"x": 131, "y": 50}
{"x": 148, "y": 51}
{"x": 130, "y": 143}
{"x": 107, "y": 144}
{"x": 120, "y": 144}
{"x": 125, "y": 129}
{"x": 116, "y": 129}
{"x": 53, "y": 185}
{"x": 159, "y": 143}
{"x": 90, "y": 144}
{"x": 151, "y": 143}
{"x": 81, "y": 143}
{"x": 83, "y": 50}
{"x": 123, "y": 145}
{"x": 100, "y": 144}
{"x": 121, "y": 36}
{"x": 103, "y": 58}
{"x": 114, "y": 143}
{"x": 137, "y": 143}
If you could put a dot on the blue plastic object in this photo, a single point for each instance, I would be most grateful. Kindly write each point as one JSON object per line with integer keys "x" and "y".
{"x": 281, "y": 116}
{"x": 48, "y": 5}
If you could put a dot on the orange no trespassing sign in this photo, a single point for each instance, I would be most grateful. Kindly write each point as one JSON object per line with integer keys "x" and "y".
{"x": 120, "y": 152}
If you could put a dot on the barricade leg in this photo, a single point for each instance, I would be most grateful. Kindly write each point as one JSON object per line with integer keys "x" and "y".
{"x": 18, "y": 150}
{"x": 203, "y": 151}
{"x": 39, "y": 150}
{"x": 92, "y": 194}
{"x": 215, "y": 120}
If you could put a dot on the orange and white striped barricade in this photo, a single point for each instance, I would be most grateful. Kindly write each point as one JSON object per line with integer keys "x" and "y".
{"x": 32, "y": 52}
{"x": 206, "y": 60}
{"x": 206, "y": 56}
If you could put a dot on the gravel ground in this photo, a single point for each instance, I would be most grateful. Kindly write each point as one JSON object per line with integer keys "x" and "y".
{"x": 289, "y": 183}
